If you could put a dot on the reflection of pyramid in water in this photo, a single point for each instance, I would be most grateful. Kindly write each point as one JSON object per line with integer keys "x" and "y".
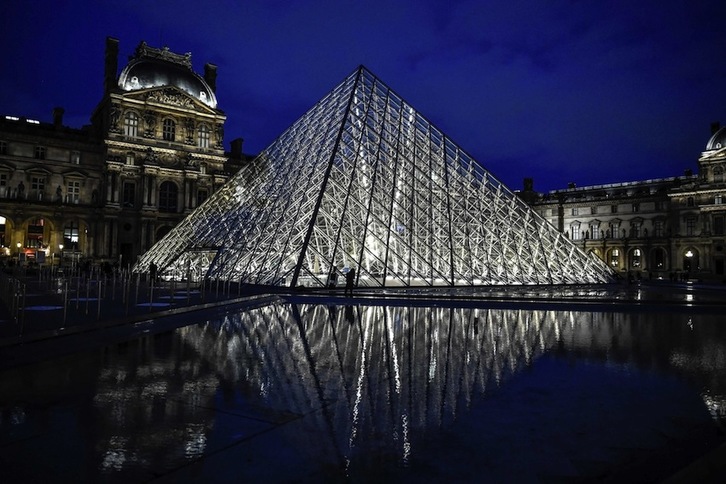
{"x": 362, "y": 180}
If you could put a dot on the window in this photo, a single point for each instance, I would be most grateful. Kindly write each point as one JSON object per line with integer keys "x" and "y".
{"x": 659, "y": 258}
{"x": 595, "y": 230}
{"x": 718, "y": 199}
{"x": 203, "y": 136}
{"x": 615, "y": 229}
{"x": 168, "y": 193}
{"x": 70, "y": 236}
{"x": 614, "y": 259}
{"x": 691, "y": 226}
{"x": 130, "y": 158}
{"x": 690, "y": 202}
{"x": 658, "y": 228}
{"x": 169, "y": 130}
{"x": 575, "y": 211}
{"x": 36, "y": 229}
{"x": 613, "y": 209}
{"x": 659, "y": 205}
{"x": 718, "y": 174}
{"x": 635, "y": 261}
{"x": 202, "y": 195}
{"x": 73, "y": 191}
{"x": 40, "y": 152}
{"x": 131, "y": 124}
{"x": 636, "y": 207}
{"x": 3, "y": 148}
{"x": 76, "y": 157}
{"x": 129, "y": 194}
{"x": 635, "y": 230}
{"x": 37, "y": 183}
{"x": 593, "y": 210}
{"x": 575, "y": 231}
{"x": 718, "y": 225}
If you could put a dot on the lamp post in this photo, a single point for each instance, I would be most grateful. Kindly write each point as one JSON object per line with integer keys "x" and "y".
{"x": 60, "y": 264}
{"x": 19, "y": 245}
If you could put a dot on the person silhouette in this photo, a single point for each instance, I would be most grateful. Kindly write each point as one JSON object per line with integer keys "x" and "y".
{"x": 349, "y": 281}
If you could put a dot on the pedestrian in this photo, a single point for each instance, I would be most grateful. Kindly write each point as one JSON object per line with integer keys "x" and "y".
{"x": 152, "y": 272}
{"x": 349, "y": 281}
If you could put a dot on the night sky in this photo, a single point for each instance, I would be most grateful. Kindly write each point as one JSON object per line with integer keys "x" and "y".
{"x": 589, "y": 92}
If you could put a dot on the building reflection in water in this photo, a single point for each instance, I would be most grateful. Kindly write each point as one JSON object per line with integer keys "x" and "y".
{"x": 372, "y": 382}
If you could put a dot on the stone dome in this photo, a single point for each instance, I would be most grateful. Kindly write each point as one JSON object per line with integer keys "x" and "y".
{"x": 159, "y": 68}
{"x": 718, "y": 140}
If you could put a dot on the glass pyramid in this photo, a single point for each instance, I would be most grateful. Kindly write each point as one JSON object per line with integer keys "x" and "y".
{"x": 364, "y": 181}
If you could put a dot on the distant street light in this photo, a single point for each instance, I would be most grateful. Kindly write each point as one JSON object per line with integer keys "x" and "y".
{"x": 60, "y": 246}
{"x": 19, "y": 246}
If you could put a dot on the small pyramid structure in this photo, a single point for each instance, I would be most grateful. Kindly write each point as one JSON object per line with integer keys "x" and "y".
{"x": 364, "y": 181}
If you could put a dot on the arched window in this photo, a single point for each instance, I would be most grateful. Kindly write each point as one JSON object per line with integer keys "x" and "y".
{"x": 614, "y": 258}
{"x": 718, "y": 174}
{"x": 36, "y": 230}
{"x": 169, "y": 130}
{"x": 70, "y": 236}
{"x": 203, "y": 138}
{"x": 131, "y": 124}
{"x": 168, "y": 194}
{"x": 636, "y": 258}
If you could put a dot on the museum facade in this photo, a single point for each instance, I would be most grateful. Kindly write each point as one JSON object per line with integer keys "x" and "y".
{"x": 109, "y": 190}
{"x": 667, "y": 228}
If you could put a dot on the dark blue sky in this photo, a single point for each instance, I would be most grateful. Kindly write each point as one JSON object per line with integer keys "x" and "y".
{"x": 585, "y": 91}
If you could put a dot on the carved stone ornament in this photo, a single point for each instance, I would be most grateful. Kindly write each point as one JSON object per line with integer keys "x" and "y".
{"x": 171, "y": 97}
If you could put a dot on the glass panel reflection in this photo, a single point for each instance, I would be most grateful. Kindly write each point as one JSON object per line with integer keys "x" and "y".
{"x": 339, "y": 391}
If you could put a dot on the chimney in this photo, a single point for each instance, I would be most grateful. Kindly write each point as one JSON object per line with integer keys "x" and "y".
{"x": 58, "y": 117}
{"x": 210, "y": 75}
{"x": 237, "y": 148}
{"x": 715, "y": 126}
{"x": 528, "y": 184}
{"x": 111, "y": 64}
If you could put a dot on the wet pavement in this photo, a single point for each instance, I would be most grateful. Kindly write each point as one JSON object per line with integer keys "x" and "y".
{"x": 585, "y": 384}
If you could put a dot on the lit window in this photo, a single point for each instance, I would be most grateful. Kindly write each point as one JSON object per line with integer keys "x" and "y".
{"x": 595, "y": 230}
{"x": 40, "y": 152}
{"x": 614, "y": 258}
{"x": 635, "y": 261}
{"x": 130, "y": 158}
{"x": 131, "y": 124}
{"x": 575, "y": 231}
{"x": 73, "y": 191}
{"x": 70, "y": 236}
{"x": 34, "y": 235}
{"x": 203, "y": 136}
{"x": 169, "y": 130}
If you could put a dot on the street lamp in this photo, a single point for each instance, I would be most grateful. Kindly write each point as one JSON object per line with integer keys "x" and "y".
{"x": 60, "y": 264}
{"x": 19, "y": 246}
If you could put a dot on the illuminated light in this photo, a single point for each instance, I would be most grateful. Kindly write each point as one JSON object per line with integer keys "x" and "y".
{"x": 12, "y": 118}
{"x": 689, "y": 254}
{"x": 32, "y": 121}
{"x": 452, "y": 221}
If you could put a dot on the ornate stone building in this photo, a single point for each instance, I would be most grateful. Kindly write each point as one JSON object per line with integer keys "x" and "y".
{"x": 661, "y": 228}
{"x": 153, "y": 152}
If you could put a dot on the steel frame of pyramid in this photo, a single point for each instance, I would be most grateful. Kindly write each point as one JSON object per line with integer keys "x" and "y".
{"x": 364, "y": 181}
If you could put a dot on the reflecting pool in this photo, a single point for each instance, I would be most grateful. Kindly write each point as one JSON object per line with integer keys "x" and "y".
{"x": 307, "y": 392}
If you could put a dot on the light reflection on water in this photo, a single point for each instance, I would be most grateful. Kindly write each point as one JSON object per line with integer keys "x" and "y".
{"x": 369, "y": 385}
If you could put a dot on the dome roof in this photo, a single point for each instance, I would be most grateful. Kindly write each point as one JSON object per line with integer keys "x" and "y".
{"x": 159, "y": 68}
{"x": 718, "y": 140}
